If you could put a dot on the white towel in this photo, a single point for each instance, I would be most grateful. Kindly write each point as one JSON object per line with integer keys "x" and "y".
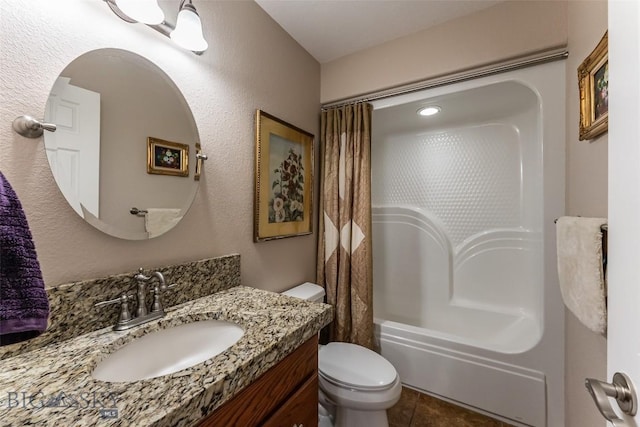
{"x": 157, "y": 221}
{"x": 580, "y": 270}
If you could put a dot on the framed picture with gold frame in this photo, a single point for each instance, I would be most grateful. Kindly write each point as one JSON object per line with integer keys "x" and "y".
{"x": 167, "y": 158}
{"x": 284, "y": 179}
{"x": 593, "y": 82}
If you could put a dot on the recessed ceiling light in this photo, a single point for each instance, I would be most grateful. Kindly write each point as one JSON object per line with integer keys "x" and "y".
{"x": 430, "y": 110}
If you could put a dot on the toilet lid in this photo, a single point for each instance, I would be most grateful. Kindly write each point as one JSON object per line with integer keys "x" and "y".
{"x": 355, "y": 366}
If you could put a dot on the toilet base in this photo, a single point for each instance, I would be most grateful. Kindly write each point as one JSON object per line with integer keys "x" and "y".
{"x": 325, "y": 418}
{"x": 347, "y": 417}
{"x": 351, "y": 408}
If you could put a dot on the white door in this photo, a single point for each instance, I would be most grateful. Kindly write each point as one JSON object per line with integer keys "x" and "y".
{"x": 623, "y": 342}
{"x": 73, "y": 149}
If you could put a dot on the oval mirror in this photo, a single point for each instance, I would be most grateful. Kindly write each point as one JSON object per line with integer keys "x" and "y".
{"x": 125, "y": 143}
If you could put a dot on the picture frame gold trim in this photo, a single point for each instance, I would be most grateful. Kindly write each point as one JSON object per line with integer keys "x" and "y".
{"x": 593, "y": 83}
{"x": 176, "y": 149}
{"x": 283, "y": 204}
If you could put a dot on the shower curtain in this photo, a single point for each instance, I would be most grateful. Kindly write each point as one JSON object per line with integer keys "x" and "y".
{"x": 344, "y": 244}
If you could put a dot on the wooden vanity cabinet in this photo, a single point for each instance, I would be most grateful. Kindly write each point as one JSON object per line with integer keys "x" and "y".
{"x": 284, "y": 396}
{"x": 301, "y": 410}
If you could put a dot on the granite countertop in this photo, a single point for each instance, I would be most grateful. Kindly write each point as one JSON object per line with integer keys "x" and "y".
{"x": 52, "y": 386}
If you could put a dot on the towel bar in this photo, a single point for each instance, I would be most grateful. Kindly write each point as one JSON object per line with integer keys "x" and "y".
{"x": 603, "y": 227}
{"x": 136, "y": 211}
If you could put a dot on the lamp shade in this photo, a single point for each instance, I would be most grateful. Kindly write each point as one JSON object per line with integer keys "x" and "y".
{"x": 145, "y": 11}
{"x": 188, "y": 32}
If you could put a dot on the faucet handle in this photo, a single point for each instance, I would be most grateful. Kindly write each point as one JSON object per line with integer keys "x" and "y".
{"x": 165, "y": 287}
{"x": 123, "y": 300}
{"x": 158, "y": 304}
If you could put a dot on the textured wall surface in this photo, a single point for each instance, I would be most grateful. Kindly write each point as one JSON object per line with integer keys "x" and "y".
{"x": 251, "y": 63}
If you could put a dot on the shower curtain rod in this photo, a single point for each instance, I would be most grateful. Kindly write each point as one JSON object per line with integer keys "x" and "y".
{"x": 495, "y": 68}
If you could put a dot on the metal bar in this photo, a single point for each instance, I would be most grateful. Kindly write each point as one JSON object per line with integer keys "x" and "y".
{"x": 136, "y": 211}
{"x": 496, "y": 68}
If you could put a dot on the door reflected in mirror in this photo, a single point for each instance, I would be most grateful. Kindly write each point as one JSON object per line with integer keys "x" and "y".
{"x": 107, "y": 104}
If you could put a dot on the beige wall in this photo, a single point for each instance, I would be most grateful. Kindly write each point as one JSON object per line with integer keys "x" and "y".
{"x": 251, "y": 63}
{"x": 586, "y": 352}
{"x": 507, "y": 30}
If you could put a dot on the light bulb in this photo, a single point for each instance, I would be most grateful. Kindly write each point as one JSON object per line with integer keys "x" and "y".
{"x": 188, "y": 32}
{"x": 429, "y": 111}
{"x": 144, "y": 11}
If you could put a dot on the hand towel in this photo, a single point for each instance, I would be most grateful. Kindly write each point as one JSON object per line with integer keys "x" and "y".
{"x": 580, "y": 270}
{"x": 157, "y": 221}
{"x": 24, "y": 306}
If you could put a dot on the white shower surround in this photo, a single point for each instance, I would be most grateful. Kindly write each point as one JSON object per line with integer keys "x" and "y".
{"x": 466, "y": 300}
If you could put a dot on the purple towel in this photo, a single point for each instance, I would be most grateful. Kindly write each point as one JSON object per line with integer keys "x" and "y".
{"x": 24, "y": 307}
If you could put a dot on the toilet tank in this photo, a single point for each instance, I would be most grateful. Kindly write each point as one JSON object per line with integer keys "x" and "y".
{"x": 307, "y": 291}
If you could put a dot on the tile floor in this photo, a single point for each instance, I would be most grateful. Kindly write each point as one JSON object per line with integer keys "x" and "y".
{"x": 420, "y": 410}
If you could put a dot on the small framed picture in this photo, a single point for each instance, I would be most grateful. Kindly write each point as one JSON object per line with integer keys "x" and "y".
{"x": 593, "y": 81}
{"x": 284, "y": 179}
{"x": 167, "y": 158}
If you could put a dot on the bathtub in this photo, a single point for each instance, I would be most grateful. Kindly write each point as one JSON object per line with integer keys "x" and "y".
{"x": 466, "y": 300}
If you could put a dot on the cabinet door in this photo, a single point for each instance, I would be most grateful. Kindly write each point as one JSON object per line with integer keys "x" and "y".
{"x": 301, "y": 410}
{"x": 268, "y": 393}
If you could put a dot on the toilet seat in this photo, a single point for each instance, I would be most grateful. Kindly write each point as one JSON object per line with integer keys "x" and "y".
{"x": 355, "y": 367}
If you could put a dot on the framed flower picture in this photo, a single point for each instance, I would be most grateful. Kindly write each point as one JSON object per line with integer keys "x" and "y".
{"x": 284, "y": 179}
{"x": 167, "y": 158}
{"x": 593, "y": 82}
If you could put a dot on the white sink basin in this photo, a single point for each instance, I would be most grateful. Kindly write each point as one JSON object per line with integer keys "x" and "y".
{"x": 168, "y": 350}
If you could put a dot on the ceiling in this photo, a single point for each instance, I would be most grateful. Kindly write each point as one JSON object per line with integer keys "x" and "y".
{"x": 330, "y": 29}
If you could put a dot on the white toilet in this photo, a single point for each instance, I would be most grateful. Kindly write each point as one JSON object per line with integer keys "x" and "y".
{"x": 357, "y": 385}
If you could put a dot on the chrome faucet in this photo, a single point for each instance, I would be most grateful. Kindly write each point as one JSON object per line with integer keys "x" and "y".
{"x": 142, "y": 314}
{"x": 142, "y": 292}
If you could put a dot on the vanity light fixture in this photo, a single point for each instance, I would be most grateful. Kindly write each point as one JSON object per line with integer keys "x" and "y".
{"x": 144, "y": 11}
{"x": 187, "y": 32}
{"x": 429, "y": 111}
